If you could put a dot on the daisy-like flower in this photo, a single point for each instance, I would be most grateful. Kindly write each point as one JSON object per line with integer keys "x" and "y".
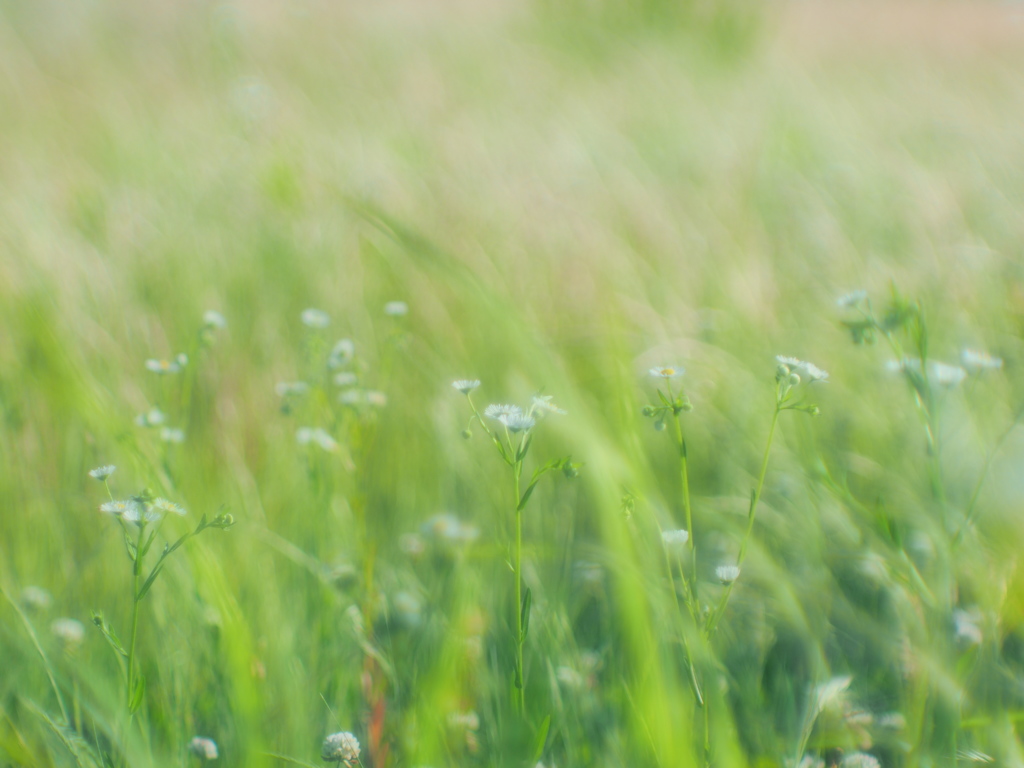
{"x": 214, "y": 320}
{"x": 396, "y": 309}
{"x": 727, "y": 574}
{"x": 341, "y": 354}
{"x": 852, "y": 299}
{"x": 667, "y": 372}
{"x": 341, "y": 748}
{"x": 70, "y": 632}
{"x": 203, "y": 748}
{"x": 163, "y": 366}
{"x": 675, "y": 539}
{"x": 154, "y": 417}
{"x": 446, "y": 528}
{"x": 291, "y": 388}
{"x": 307, "y": 435}
{"x": 35, "y": 598}
{"x": 315, "y": 318}
{"x": 345, "y": 379}
{"x": 116, "y": 508}
{"x": 102, "y": 473}
{"x": 465, "y": 386}
{"x": 974, "y": 360}
{"x": 172, "y": 435}
{"x": 163, "y": 505}
{"x": 498, "y": 411}
{"x": 802, "y": 368}
{"x": 543, "y": 404}
{"x": 518, "y": 422}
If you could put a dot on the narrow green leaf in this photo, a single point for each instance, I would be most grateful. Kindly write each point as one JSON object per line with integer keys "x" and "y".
{"x": 149, "y": 581}
{"x": 521, "y": 453}
{"x": 542, "y": 738}
{"x": 137, "y": 695}
{"x": 525, "y": 614}
{"x": 526, "y": 495}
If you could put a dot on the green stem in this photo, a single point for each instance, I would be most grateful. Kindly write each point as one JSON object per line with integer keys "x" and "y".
{"x": 136, "y": 575}
{"x": 681, "y": 439}
{"x": 520, "y": 671}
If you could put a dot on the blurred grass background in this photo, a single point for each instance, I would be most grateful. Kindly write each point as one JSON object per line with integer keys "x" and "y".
{"x": 565, "y": 194}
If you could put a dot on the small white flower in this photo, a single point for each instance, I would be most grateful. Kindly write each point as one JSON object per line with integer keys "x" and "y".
{"x": 465, "y": 386}
{"x": 396, "y": 309}
{"x": 675, "y": 540}
{"x": 307, "y": 435}
{"x": 411, "y": 544}
{"x": 315, "y": 318}
{"x": 163, "y": 366}
{"x": 448, "y": 529}
{"x": 468, "y": 720}
{"x": 154, "y": 417}
{"x": 802, "y": 368}
{"x": 203, "y": 748}
{"x": 116, "y": 508}
{"x": 214, "y": 320}
{"x": 163, "y": 505}
{"x": 974, "y": 360}
{"x": 727, "y": 574}
{"x": 667, "y": 372}
{"x": 852, "y": 299}
{"x": 102, "y": 473}
{"x": 967, "y": 629}
{"x": 945, "y": 375}
{"x": 375, "y": 398}
{"x": 518, "y": 422}
{"x": 345, "y": 379}
{"x": 341, "y": 354}
{"x": 340, "y": 748}
{"x": 807, "y": 761}
{"x": 172, "y": 435}
{"x": 893, "y": 721}
{"x": 35, "y": 598}
{"x": 70, "y": 632}
{"x": 497, "y": 412}
{"x": 543, "y": 404}
{"x": 859, "y": 760}
{"x": 291, "y": 388}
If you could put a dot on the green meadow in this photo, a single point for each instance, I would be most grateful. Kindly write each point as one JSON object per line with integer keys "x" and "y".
{"x": 439, "y": 367}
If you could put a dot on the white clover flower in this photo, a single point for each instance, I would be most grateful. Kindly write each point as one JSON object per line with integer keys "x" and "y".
{"x": 291, "y": 388}
{"x": 70, "y": 632}
{"x": 214, "y": 320}
{"x": 852, "y": 299}
{"x": 465, "y": 386}
{"x": 345, "y": 379}
{"x": 315, "y": 318}
{"x": 543, "y": 404}
{"x": 859, "y": 760}
{"x": 727, "y": 574}
{"x": 341, "y": 354}
{"x": 675, "y": 540}
{"x": 163, "y": 366}
{"x": 35, "y": 598}
{"x": 667, "y": 372}
{"x": 975, "y": 360}
{"x": 163, "y": 505}
{"x": 518, "y": 422}
{"x": 172, "y": 435}
{"x": 154, "y": 417}
{"x": 497, "y": 412}
{"x": 203, "y": 748}
{"x": 340, "y": 748}
{"x": 396, "y": 309}
{"x": 802, "y": 368}
{"x": 102, "y": 473}
{"x": 307, "y": 435}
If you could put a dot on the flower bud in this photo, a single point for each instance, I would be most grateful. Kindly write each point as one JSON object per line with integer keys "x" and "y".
{"x": 648, "y": 410}
{"x": 467, "y": 433}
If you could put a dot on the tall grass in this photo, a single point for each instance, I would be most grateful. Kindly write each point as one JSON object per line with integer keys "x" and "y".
{"x": 558, "y": 220}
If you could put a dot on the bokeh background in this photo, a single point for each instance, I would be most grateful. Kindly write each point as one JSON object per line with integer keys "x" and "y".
{"x": 564, "y": 194}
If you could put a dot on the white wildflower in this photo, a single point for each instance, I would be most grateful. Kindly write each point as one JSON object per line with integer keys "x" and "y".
{"x": 345, "y": 379}
{"x": 214, "y": 320}
{"x": 203, "y": 748}
{"x": 807, "y": 761}
{"x": 893, "y": 721}
{"x": 859, "y": 760}
{"x": 802, "y": 368}
{"x": 727, "y": 574}
{"x": 675, "y": 540}
{"x": 291, "y": 388}
{"x": 340, "y": 748}
{"x": 966, "y": 625}
{"x": 852, "y": 299}
{"x": 154, "y": 417}
{"x": 411, "y": 544}
{"x": 448, "y": 529}
{"x": 465, "y": 386}
{"x": 518, "y": 422}
{"x": 318, "y": 435}
{"x": 469, "y": 720}
{"x": 163, "y": 505}
{"x": 975, "y": 360}
{"x": 341, "y": 354}
{"x": 375, "y": 398}
{"x": 172, "y": 435}
{"x": 667, "y": 372}
{"x": 497, "y": 412}
{"x": 102, "y": 473}
{"x": 396, "y": 309}
{"x": 35, "y": 598}
{"x": 70, "y": 632}
{"x": 543, "y": 404}
{"x": 164, "y": 366}
{"x": 569, "y": 677}
{"x": 944, "y": 374}
{"x": 315, "y": 318}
